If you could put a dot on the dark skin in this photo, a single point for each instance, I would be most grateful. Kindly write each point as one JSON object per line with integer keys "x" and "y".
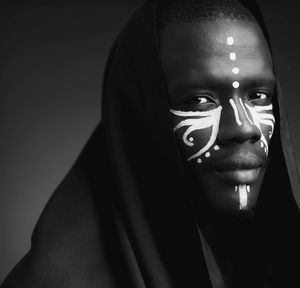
{"x": 199, "y": 77}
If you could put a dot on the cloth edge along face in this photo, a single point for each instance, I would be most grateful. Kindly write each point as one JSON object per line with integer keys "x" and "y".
{"x": 148, "y": 215}
{"x": 169, "y": 158}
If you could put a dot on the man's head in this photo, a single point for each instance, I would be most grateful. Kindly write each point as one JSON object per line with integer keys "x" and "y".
{"x": 220, "y": 82}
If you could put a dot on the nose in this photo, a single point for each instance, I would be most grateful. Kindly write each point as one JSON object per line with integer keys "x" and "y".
{"x": 235, "y": 126}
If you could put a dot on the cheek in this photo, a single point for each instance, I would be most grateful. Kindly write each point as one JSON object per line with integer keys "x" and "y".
{"x": 267, "y": 131}
{"x": 196, "y": 133}
{"x": 198, "y": 138}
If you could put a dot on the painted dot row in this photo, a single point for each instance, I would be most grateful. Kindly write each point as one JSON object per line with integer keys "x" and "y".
{"x": 232, "y": 56}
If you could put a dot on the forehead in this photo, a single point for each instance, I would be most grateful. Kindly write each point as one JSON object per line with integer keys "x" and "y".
{"x": 196, "y": 49}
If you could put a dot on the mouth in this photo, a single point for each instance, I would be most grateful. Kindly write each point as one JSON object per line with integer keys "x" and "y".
{"x": 240, "y": 176}
{"x": 240, "y": 169}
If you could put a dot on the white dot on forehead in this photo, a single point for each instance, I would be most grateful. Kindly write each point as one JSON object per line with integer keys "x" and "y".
{"x": 207, "y": 154}
{"x": 232, "y": 56}
{"x": 235, "y": 70}
{"x": 199, "y": 160}
{"x": 230, "y": 40}
{"x": 236, "y": 84}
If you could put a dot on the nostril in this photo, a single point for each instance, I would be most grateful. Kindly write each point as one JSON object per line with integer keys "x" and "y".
{"x": 239, "y": 135}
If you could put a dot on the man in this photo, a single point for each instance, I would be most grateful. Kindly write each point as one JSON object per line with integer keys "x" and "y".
{"x": 220, "y": 81}
{"x": 173, "y": 189}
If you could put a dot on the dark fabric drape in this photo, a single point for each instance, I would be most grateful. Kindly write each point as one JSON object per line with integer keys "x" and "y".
{"x": 122, "y": 215}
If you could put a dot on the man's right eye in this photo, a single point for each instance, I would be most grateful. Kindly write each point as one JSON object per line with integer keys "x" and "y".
{"x": 202, "y": 102}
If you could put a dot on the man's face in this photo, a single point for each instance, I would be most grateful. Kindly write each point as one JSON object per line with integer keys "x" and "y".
{"x": 220, "y": 83}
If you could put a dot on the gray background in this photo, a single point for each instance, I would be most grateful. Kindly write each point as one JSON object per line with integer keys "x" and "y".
{"x": 51, "y": 67}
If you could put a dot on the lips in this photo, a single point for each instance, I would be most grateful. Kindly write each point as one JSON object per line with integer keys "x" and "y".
{"x": 240, "y": 169}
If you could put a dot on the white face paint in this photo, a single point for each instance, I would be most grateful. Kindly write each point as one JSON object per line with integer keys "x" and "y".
{"x": 261, "y": 116}
{"x": 235, "y": 70}
{"x": 197, "y": 121}
{"x": 243, "y": 191}
{"x": 235, "y": 84}
{"x": 232, "y": 56}
{"x": 230, "y": 41}
{"x": 236, "y": 112}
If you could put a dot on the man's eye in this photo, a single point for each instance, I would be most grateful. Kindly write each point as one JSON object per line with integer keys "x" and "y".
{"x": 261, "y": 95}
{"x": 201, "y": 100}
{"x": 260, "y": 98}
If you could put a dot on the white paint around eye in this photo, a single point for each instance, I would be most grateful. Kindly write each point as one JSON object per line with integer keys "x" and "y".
{"x": 235, "y": 70}
{"x": 246, "y": 113}
{"x": 236, "y": 113}
{"x": 207, "y": 119}
{"x": 260, "y": 117}
{"x": 191, "y": 139}
{"x": 230, "y": 40}
{"x": 236, "y": 84}
{"x": 232, "y": 56}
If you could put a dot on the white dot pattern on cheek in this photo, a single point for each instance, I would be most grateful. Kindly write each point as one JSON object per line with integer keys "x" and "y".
{"x": 207, "y": 119}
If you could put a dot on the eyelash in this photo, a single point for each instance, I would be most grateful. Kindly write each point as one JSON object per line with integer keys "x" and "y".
{"x": 267, "y": 96}
{"x": 207, "y": 98}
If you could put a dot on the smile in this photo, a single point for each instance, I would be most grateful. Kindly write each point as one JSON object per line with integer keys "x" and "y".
{"x": 239, "y": 176}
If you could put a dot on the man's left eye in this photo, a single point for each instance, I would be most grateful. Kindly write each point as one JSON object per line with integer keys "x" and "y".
{"x": 260, "y": 98}
{"x": 261, "y": 95}
{"x": 201, "y": 100}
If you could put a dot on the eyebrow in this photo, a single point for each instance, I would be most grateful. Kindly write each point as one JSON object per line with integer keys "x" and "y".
{"x": 267, "y": 82}
{"x": 246, "y": 82}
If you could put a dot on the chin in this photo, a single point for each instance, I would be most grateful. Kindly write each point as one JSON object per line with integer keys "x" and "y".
{"x": 247, "y": 213}
{"x": 214, "y": 195}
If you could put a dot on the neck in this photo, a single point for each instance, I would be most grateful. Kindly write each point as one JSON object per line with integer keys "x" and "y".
{"x": 233, "y": 242}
